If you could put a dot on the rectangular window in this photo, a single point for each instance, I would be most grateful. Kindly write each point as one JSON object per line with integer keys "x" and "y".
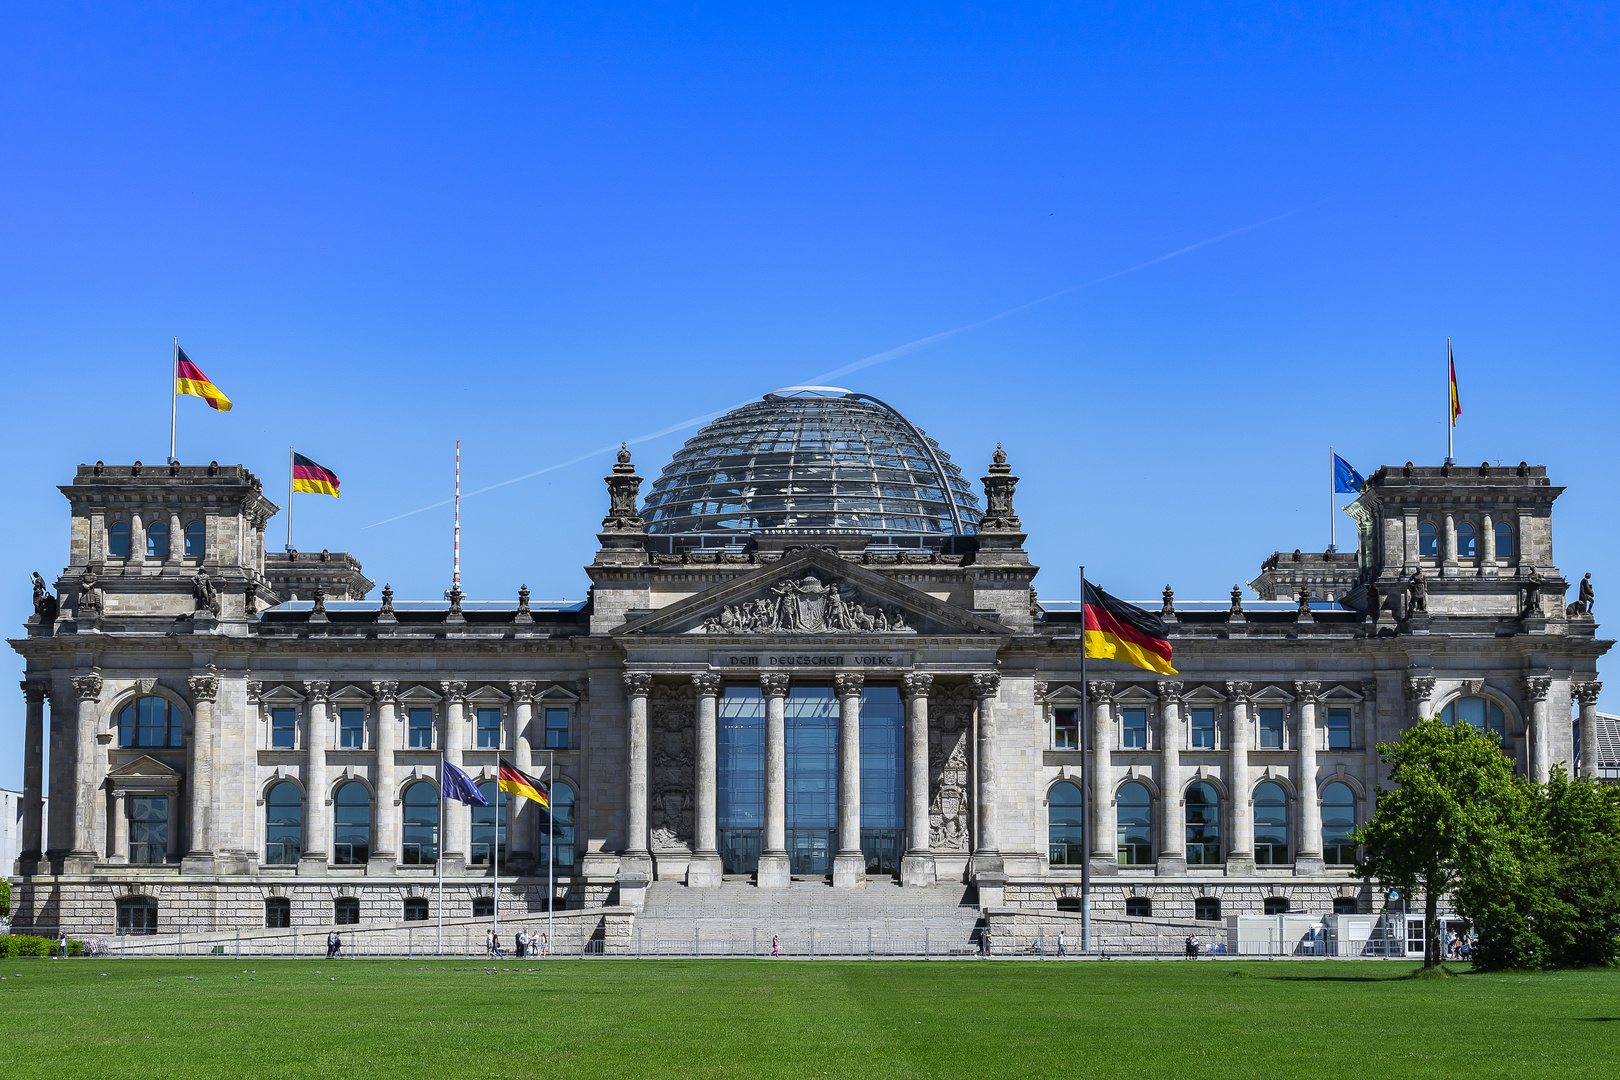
{"x": 1203, "y": 729}
{"x": 556, "y": 729}
{"x": 352, "y": 728}
{"x": 277, "y": 913}
{"x": 421, "y": 729}
{"x": 1271, "y": 729}
{"x": 1338, "y": 729}
{"x": 1134, "y": 724}
{"x": 489, "y": 729}
{"x": 283, "y": 722}
{"x": 1066, "y": 729}
{"x": 148, "y": 829}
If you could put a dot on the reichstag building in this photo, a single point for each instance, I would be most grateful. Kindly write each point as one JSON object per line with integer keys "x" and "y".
{"x": 812, "y": 652}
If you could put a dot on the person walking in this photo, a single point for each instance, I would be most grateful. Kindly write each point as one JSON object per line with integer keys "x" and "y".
{"x": 1062, "y": 952}
{"x": 521, "y": 943}
{"x": 987, "y": 950}
{"x": 545, "y": 944}
{"x": 331, "y": 944}
{"x": 1195, "y": 944}
{"x": 61, "y": 944}
{"x": 776, "y": 944}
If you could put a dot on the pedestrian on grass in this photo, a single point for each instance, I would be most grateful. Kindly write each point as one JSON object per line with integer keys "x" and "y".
{"x": 489, "y": 943}
{"x": 61, "y": 944}
{"x": 521, "y": 943}
{"x": 1061, "y": 950}
{"x": 1195, "y": 944}
{"x": 987, "y": 950}
{"x": 331, "y": 944}
{"x": 1186, "y": 946}
{"x": 545, "y": 945}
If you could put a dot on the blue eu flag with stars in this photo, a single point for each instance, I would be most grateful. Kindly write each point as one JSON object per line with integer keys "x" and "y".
{"x": 1345, "y": 477}
{"x": 459, "y": 786}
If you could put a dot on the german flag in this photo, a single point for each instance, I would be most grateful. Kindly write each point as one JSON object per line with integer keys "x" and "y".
{"x": 317, "y": 479}
{"x": 189, "y": 379}
{"x": 518, "y": 783}
{"x": 1116, "y": 630}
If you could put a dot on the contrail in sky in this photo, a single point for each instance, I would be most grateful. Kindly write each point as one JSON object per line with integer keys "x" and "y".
{"x": 870, "y": 361}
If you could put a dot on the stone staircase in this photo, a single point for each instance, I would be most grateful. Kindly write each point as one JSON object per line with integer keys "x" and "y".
{"x": 737, "y": 918}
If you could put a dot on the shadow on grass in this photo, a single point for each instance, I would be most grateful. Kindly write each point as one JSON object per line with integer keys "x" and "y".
{"x": 1597, "y": 1019}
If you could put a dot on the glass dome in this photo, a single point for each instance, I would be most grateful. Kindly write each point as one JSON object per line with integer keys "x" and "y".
{"x": 811, "y": 458}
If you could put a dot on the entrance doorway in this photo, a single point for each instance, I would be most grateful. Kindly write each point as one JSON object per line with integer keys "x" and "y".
{"x": 882, "y": 850}
{"x": 739, "y": 850}
{"x": 810, "y": 851}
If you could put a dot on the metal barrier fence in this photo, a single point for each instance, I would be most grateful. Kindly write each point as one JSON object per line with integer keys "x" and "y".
{"x": 357, "y": 942}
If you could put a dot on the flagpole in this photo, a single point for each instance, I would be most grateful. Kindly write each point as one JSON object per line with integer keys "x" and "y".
{"x": 438, "y": 852}
{"x": 495, "y": 843}
{"x": 289, "y": 496}
{"x": 551, "y": 846}
{"x": 1333, "y": 522}
{"x": 1087, "y": 781}
{"x": 455, "y": 576}
{"x": 174, "y": 394}
{"x": 1451, "y": 421}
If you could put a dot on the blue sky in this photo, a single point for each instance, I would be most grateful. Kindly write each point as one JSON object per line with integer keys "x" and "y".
{"x": 541, "y": 230}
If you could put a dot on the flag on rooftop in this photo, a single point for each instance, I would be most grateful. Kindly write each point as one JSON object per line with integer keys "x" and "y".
{"x": 514, "y": 782}
{"x": 459, "y": 786}
{"x": 1456, "y": 402}
{"x": 1345, "y": 477}
{"x": 313, "y": 478}
{"x": 1115, "y": 630}
{"x": 189, "y": 379}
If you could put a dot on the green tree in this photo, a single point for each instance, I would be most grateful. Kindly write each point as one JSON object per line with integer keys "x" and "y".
{"x": 1576, "y": 909}
{"x": 1452, "y": 813}
{"x": 5, "y": 898}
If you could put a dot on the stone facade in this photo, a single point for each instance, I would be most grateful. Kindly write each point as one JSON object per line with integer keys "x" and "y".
{"x": 170, "y": 681}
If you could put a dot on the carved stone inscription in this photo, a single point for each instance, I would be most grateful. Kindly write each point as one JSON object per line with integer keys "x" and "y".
{"x": 807, "y": 606}
{"x": 671, "y": 715}
{"x": 950, "y": 715}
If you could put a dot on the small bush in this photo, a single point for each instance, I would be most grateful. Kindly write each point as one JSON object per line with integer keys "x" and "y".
{"x": 29, "y": 945}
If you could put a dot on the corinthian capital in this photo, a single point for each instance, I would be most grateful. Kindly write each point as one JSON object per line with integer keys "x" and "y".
{"x": 774, "y": 684}
{"x": 706, "y": 683}
{"x": 848, "y": 685}
{"x": 1238, "y": 691}
{"x": 387, "y": 691}
{"x": 1536, "y": 686}
{"x": 637, "y": 683}
{"x": 986, "y": 684}
{"x": 1100, "y": 689}
{"x": 1587, "y": 692}
{"x": 1170, "y": 690}
{"x": 204, "y": 687}
{"x": 917, "y": 684}
{"x": 455, "y": 691}
{"x": 319, "y": 691}
{"x": 1307, "y": 689}
{"x": 523, "y": 691}
{"x": 88, "y": 687}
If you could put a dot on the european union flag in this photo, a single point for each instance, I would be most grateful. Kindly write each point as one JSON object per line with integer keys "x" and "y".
{"x": 459, "y": 786}
{"x": 1345, "y": 477}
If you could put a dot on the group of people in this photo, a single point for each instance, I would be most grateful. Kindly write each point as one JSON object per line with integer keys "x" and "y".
{"x": 1459, "y": 946}
{"x": 528, "y": 944}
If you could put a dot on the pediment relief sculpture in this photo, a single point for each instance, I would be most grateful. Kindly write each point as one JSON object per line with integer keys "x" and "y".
{"x": 806, "y": 605}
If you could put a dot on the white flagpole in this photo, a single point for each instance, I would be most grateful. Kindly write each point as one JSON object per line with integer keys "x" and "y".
{"x": 438, "y": 852}
{"x": 551, "y": 847}
{"x": 1087, "y": 783}
{"x": 1451, "y": 422}
{"x": 1333, "y": 486}
{"x": 495, "y": 845}
{"x": 290, "y": 468}
{"x": 174, "y": 394}
{"x": 455, "y": 576}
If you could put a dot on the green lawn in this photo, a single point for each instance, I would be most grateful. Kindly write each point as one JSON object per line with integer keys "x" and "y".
{"x": 665, "y": 1020}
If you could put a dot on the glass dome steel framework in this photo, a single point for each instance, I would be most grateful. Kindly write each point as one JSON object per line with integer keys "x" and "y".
{"x": 812, "y": 458}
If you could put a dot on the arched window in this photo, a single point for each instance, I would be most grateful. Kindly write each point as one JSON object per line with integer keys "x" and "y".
{"x": 1479, "y": 713}
{"x": 1064, "y": 839}
{"x": 1428, "y": 541}
{"x": 351, "y": 835}
{"x": 137, "y": 915}
{"x": 488, "y": 837}
{"x": 420, "y": 842}
{"x": 149, "y": 721}
{"x": 1270, "y": 824}
{"x": 157, "y": 540}
{"x": 1203, "y": 825}
{"x": 1504, "y": 540}
{"x": 561, "y": 825}
{"x": 1338, "y": 822}
{"x": 1134, "y": 806}
{"x": 283, "y": 824}
{"x": 118, "y": 540}
{"x": 194, "y": 540}
{"x": 1465, "y": 540}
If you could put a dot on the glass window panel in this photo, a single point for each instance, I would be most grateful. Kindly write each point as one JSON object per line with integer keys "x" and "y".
{"x": 1134, "y": 818}
{"x": 1504, "y": 540}
{"x": 277, "y": 913}
{"x": 1338, "y": 729}
{"x": 1270, "y": 824}
{"x": 1065, "y": 842}
{"x": 489, "y": 729}
{"x": 488, "y": 833}
{"x": 1134, "y": 723}
{"x": 1203, "y": 825}
{"x": 194, "y": 540}
{"x": 811, "y": 714}
{"x": 561, "y": 821}
{"x": 556, "y": 729}
{"x": 1203, "y": 729}
{"x": 1428, "y": 541}
{"x": 157, "y": 540}
{"x": 1066, "y": 729}
{"x": 1465, "y": 540}
{"x": 283, "y": 824}
{"x": 118, "y": 540}
{"x": 1338, "y": 822}
{"x": 741, "y": 778}
{"x": 351, "y": 834}
{"x": 346, "y": 911}
{"x": 882, "y": 757}
{"x": 283, "y": 724}
{"x": 420, "y": 729}
{"x": 419, "y": 840}
{"x": 148, "y": 829}
{"x": 1271, "y": 729}
{"x": 351, "y": 728}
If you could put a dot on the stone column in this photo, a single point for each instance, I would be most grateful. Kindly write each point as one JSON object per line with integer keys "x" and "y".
{"x": 1308, "y": 859}
{"x": 385, "y": 814}
{"x": 1240, "y": 856}
{"x": 457, "y": 817}
{"x": 775, "y": 869}
{"x": 1104, "y": 852}
{"x": 635, "y": 865}
{"x": 1587, "y": 694}
{"x": 137, "y": 557}
{"x": 705, "y": 870}
{"x": 522, "y": 815}
{"x": 917, "y": 864}
{"x": 317, "y": 818}
{"x": 1448, "y": 547}
{"x": 200, "y": 779}
{"x": 1487, "y": 546}
{"x": 1172, "y": 828}
{"x": 849, "y": 864}
{"x": 1535, "y": 694}
{"x": 1419, "y": 697}
{"x": 33, "y": 801}
{"x": 987, "y": 868}
{"x": 82, "y": 856}
{"x": 177, "y": 539}
{"x": 118, "y": 840}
